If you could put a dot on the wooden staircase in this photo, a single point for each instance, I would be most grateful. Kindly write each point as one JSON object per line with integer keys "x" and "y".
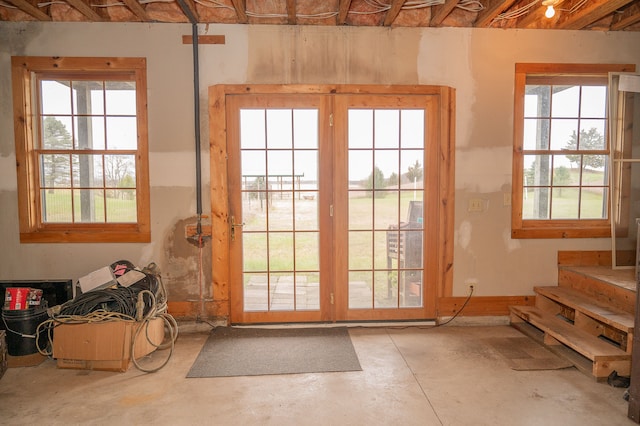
{"x": 587, "y": 318}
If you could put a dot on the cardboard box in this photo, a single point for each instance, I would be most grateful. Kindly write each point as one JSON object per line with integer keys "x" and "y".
{"x": 104, "y": 345}
{"x": 30, "y": 360}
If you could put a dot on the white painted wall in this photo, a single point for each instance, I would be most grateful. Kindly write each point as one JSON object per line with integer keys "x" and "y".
{"x": 479, "y": 64}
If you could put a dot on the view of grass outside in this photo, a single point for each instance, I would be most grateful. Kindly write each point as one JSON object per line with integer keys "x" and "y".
{"x": 121, "y": 206}
{"x": 298, "y": 251}
{"x": 368, "y": 255}
{"x": 569, "y": 200}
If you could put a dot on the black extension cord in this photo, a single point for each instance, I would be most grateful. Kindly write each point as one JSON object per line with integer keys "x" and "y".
{"x": 118, "y": 299}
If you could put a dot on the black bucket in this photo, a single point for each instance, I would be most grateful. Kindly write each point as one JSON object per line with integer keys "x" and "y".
{"x": 21, "y": 326}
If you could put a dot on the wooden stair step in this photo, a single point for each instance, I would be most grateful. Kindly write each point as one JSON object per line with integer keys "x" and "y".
{"x": 615, "y": 287}
{"x": 604, "y": 356}
{"x": 596, "y": 309}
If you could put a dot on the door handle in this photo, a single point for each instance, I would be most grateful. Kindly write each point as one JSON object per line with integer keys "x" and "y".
{"x": 233, "y": 227}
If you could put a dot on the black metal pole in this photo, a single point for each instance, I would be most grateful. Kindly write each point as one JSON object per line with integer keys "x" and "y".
{"x": 196, "y": 111}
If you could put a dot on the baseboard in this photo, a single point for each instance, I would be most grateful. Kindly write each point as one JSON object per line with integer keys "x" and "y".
{"x": 473, "y": 321}
{"x": 481, "y": 305}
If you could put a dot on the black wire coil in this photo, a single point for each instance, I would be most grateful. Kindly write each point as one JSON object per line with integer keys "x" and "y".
{"x": 117, "y": 299}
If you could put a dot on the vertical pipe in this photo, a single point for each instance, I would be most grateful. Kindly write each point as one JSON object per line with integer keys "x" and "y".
{"x": 196, "y": 112}
{"x": 196, "y": 107}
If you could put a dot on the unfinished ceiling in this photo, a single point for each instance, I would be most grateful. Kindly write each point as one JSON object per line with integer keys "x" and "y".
{"x": 603, "y": 15}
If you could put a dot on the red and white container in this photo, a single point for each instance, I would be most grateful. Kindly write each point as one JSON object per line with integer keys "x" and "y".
{"x": 17, "y": 298}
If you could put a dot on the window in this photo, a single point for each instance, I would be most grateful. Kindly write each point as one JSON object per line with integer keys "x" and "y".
{"x": 561, "y": 151}
{"x": 81, "y": 149}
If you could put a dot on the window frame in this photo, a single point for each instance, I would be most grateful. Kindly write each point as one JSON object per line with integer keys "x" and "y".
{"x": 553, "y": 228}
{"x": 25, "y": 72}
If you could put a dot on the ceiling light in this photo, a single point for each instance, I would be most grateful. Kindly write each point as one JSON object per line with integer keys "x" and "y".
{"x": 550, "y": 12}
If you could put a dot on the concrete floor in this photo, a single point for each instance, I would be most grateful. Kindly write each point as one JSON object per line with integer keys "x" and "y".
{"x": 411, "y": 376}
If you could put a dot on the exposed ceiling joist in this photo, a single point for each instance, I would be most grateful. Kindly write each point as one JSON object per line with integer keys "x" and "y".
{"x": 241, "y": 10}
{"x": 441, "y": 11}
{"x": 343, "y": 11}
{"x": 86, "y": 10}
{"x": 590, "y": 12}
{"x": 630, "y": 16}
{"x": 30, "y": 9}
{"x": 137, "y": 10}
{"x": 392, "y": 13}
{"x": 291, "y": 12}
{"x": 492, "y": 8}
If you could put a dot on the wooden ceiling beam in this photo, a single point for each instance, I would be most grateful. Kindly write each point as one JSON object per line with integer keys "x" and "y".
{"x": 492, "y": 8}
{"x": 392, "y": 13}
{"x": 241, "y": 10}
{"x": 291, "y": 12}
{"x": 441, "y": 11}
{"x": 343, "y": 11}
{"x": 137, "y": 10}
{"x": 86, "y": 10}
{"x": 589, "y": 13}
{"x": 30, "y": 9}
{"x": 628, "y": 17}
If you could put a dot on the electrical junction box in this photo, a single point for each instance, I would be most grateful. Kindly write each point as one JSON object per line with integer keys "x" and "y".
{"x": 105, "y": 345}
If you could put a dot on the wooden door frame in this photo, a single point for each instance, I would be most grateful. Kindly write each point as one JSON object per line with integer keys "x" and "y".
{"x": 444, "y": 216}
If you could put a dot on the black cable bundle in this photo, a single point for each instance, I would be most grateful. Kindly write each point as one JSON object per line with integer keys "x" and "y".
{"x": 122, "y": 300}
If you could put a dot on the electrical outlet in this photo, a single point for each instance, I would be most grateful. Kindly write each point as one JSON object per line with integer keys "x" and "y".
{"x": 476, "y": 205}
{"x": 472, "y": 286}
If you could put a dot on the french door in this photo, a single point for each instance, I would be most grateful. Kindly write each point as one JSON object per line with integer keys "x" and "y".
{"x": 333, "y": 206}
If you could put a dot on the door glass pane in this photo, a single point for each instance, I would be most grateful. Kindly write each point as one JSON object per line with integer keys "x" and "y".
{"x": 360, "y": 289}
{"x": 412, "y": 128}
{"x": 361, "y": 132}
{"x": 303, "y": 120}
{"x": 280, "y": 195}
{"x": 252, "y": 128}
{"x": 386, "y": 209}
{"x": 281, "y": 212}
{"x": 306, "y": 211}
{"x": 360, "y": 210}
{"x": 360, "y": 250}
{"x": 412, "y": 169}
{"x": 386, "y": 192}
{"x": 308, "y": 291}
{"x": 256, "y": 292}
{"x": 281, "y": 251}
{"x": 279, "y": 128}
{"x": 387, "y": 128}
{"x": 282, "y": 290}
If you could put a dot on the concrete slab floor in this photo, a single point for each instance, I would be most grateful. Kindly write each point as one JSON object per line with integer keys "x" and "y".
{"x": 410, "y": 376}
